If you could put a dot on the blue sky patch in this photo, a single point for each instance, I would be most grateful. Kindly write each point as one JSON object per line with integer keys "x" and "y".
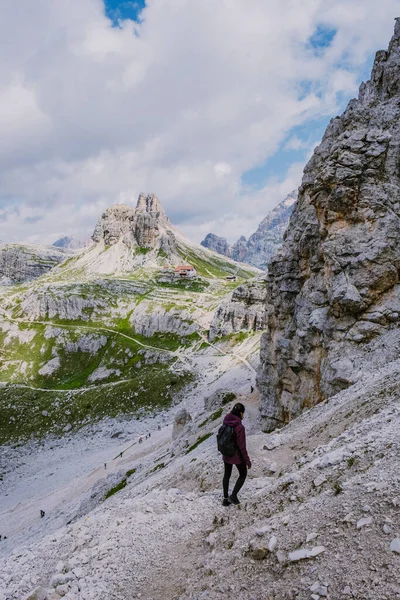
{"x": 322, "y": 37}
{"x": 118, "y": 10}
{"x": 277, "y": 165}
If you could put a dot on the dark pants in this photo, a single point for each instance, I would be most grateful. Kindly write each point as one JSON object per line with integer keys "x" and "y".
{"x": 242, "y": 468}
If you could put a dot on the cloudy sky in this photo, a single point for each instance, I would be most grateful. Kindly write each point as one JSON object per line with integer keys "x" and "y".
{"x": 214, "y": 105}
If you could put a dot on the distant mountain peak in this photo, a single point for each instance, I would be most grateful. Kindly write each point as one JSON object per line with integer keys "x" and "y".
{"x": 261, "y": 245}
{"x": 130, "y": 239}
{"x": 71, "y": 243}
{"x": 216, "y": 243}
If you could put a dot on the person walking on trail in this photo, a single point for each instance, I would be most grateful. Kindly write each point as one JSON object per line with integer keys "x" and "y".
{"x": 240, "y": 458}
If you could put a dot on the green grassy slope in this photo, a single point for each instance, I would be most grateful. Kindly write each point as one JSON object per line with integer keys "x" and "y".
{"x": 70, "y": 353}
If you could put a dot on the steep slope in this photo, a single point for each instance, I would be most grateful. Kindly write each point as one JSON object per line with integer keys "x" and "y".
{"x": 318, "y": 518}
{"x": 24, "y": 262}
{"x": 261, "y": 245}
{"x": 333, "y": 294}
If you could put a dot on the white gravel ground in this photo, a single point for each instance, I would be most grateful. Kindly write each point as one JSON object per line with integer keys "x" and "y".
{"x": 318, "y": 519}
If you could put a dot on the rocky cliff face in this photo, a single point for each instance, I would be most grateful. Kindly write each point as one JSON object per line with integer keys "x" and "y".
{"x": 216, "y": 243}
{"x": 146, "y": 226}
{"x": 20, "y": 262}
{"x": 244, "y": 311}
{"x": 261, "y": 245}
{"x": 333, "y": 295}
{"x": 148, "y": 320}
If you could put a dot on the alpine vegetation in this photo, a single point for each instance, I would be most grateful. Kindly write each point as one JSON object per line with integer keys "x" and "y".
{"x": 111, "y": 330}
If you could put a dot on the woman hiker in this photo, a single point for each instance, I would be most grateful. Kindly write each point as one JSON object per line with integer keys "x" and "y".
{"x": 240, "y": 458}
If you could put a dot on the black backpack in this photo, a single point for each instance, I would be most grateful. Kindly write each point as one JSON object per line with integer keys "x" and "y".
{"x": 226, "y": 440}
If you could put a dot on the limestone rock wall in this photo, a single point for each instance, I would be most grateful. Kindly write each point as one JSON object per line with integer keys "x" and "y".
{"x": 333, "y": 300}
{"x": 148, "y": 320}
{"x": 243, "y": 312}
{"x": 19, "y": 262}
{"x": 50, "y": 303}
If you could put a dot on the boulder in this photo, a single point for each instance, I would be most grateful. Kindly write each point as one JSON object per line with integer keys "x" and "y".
{"x": 182, "y": 418}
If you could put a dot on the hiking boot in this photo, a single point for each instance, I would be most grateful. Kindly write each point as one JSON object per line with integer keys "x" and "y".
{"x": 234, "y": 500}
{"x": 225, "y": 502}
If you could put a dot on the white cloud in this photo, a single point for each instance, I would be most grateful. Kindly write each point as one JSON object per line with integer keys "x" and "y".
{"x": 181, "y": 104}
{"x": 295, "y": 143}
{"x": 222, "y": 169}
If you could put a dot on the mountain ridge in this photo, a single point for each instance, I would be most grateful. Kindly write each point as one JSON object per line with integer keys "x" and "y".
{"x": 263, "y": 244}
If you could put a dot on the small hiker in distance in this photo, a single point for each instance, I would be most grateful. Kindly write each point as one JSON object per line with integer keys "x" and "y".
{"x": 231, "y": 440}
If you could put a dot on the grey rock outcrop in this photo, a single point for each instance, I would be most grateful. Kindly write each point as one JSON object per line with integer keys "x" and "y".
{"x": 19, "y": 262}
{"x": 55, "y": 302}
{"x": 182, "y": 418}
{"x": 333, "y": 294}
{"x": 261, "y": 245}
{"x": 216, "y": 243}
{"x": 146, "y": 226}
{"x": 148, "y": 320}
{"x": 243, "y": 312}
{"x": 220, "y": 397}
{"x": 72, "y": 301}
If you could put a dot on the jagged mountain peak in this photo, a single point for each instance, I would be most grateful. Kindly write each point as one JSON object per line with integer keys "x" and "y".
{"x": 151, "y": 204}
{"x": 143, "y": 226}
{"x": 385, "y": 81}
{"x": 128, "y": 238}
{"x": 216, "y": 243}
{"x": 261, "y": 245}
{"x": 276, "y": 221}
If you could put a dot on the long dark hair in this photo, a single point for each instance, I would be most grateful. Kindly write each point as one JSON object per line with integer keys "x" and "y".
{"x": 238, "y": 409}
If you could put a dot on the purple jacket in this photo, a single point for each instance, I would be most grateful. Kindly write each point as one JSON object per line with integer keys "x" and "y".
{"x": 240, "y": 455}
